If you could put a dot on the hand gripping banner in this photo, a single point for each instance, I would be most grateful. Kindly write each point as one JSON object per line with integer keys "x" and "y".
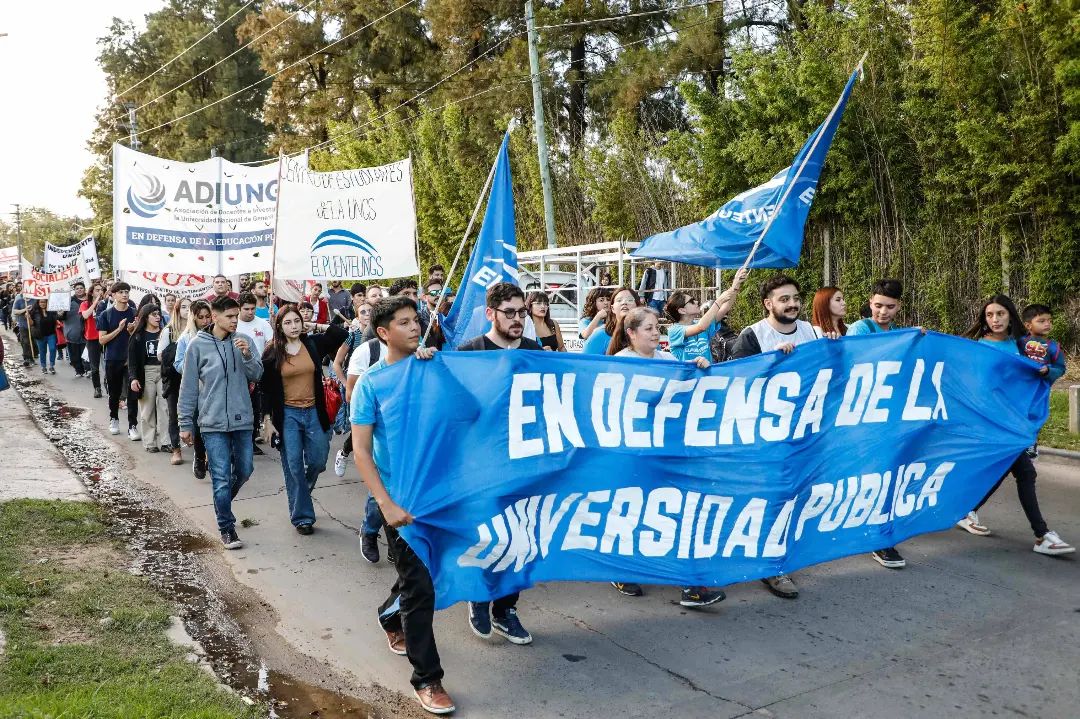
{"x": 564, "y": 467}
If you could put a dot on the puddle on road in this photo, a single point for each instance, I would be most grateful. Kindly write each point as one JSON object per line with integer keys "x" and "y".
{"x": 166, "y": 555}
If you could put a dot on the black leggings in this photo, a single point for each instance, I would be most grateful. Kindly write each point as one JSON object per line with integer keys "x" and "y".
{"x": 93, "y": 347}
{"x": 1025, "y": 474}
{"x": 116, "y": 379}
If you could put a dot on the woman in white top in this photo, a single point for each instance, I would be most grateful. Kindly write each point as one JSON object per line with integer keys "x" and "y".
{"x": 637, "y": 334}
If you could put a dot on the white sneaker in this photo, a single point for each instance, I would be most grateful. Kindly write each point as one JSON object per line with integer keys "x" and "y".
{"x": 133, "y": 434}
{"x": 114, "y": 426}
{"x": 1051, "y": 543}
{"x": 971, "y": 524}
{"x": 340, "y": 463}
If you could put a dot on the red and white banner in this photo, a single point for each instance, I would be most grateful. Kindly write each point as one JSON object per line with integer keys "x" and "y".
{"x": 9, "y": 259}
{"x": 38, "y": 283}
{"x": 196, "y": 287}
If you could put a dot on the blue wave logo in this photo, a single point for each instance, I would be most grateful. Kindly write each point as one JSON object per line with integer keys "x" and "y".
{"x": 343, "y": 238}
{"x": 150, "y": 201}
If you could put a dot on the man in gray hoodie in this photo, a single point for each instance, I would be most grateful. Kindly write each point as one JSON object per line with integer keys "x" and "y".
{"x": 218, "y": 366}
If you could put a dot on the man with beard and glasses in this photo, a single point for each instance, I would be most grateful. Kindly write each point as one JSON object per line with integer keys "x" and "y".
{"x": 506, "y": 311}
{"x": 780, "y": 330}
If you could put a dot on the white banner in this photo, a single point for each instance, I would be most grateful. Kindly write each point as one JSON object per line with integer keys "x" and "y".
{"x": 86, "y": 249}
{"x": 9, "y": 259}
{"x": 39, "y": 283}
{"x": 346, "y": 225}
{"x": 59, "y": 301}
{"x": 197, "y": 287}
{"x": 204, "y": 218}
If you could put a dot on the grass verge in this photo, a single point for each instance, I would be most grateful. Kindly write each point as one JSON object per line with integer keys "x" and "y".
{"x": 86, "y": 639}
{"x": 1055, "y": 433}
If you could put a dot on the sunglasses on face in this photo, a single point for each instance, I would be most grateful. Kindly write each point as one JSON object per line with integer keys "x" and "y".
{"x": 512, "y": 313}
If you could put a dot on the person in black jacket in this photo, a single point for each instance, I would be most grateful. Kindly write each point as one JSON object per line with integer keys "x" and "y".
{"x": 292, "y": 385}
{"x": 43, "y": 330}
{"x": 144, "y": 370}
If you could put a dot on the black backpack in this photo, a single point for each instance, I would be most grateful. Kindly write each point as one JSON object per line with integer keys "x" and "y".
{"x": 170, "y": 378}
{"x": 722, "y": 343}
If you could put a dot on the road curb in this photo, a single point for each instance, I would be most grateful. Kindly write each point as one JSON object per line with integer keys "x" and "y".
{"x": 1061, "y": 456}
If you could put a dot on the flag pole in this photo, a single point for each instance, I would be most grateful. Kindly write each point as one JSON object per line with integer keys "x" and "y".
{"x": 468, "y": 229}
{"x": 273, "y": 247}
{"x": 802, "y": 165}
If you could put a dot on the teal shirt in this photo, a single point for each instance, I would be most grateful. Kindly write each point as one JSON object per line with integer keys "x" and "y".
{"x": 688, "y": 349}
{"x": 597, "y": 343}
{"x": 1008, "y": 346}
{"x": 867, "y": 326}
{"x": 364, "y": 410}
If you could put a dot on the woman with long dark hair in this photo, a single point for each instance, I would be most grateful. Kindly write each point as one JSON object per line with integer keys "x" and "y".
{"x": 43, "y": 330}
{"x": 144, "y": 369}
{"x": 828, "y": 312}
{"x": 999, "y": 326}
{"x": 622, "y": 301}
{"x": 548, "y": 333}
{"x": 292, "y": 385}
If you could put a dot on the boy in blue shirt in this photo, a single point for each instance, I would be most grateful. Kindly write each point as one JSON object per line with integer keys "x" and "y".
{"x": 1037, "y": 345}
{"x": 406, "y": 615}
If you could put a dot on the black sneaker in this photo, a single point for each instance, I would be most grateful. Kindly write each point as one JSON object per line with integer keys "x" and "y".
{"x": 700, "y": 596}
{"x": 198, "y": 467}
{"x": 480, "y": 618}
{"x": 1032, "y": 452}
{"x": 510, "y": 627}
{"x": 630, "y": 589}
{"x": 257, "y": 450}
{"x": 304, "y": 529}
{"x": 369, "y": 547}
{"x": 889, "y": 558}
{"x": 97, "y": 393}
{"x": 230, "y": 539}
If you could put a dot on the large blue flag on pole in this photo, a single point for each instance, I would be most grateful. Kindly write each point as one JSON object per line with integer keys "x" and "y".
{"x": 493, "y": 260}
{"x": 773, "y": 213}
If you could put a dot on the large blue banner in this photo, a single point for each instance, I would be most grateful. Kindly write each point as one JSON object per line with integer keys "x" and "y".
{"x": 724, "y": 238}
{"x": 564, "y": 467}
{"x": 493, "y": 260}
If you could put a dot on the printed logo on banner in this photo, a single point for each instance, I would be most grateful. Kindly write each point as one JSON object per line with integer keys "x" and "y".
{"x": 150, "y": 200}
{"x": 328, "y": 260}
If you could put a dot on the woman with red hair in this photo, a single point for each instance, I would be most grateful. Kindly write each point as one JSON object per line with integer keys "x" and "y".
{"x": 828, "y": 313}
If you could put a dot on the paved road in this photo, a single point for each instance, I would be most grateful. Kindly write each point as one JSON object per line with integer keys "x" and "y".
{"x": 973, "y": 625}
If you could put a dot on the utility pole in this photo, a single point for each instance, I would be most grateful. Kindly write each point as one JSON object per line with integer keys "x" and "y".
{"x": 538, "y": 123}
{"x": 18, "y": 243}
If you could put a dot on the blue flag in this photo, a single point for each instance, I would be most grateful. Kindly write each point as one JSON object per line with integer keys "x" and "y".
{"x": 591, "y": 468}
{"x": 724, "y": 238}
{"x": 493, "y": 260}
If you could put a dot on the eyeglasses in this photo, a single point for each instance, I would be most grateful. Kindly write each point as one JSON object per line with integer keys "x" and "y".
{"x": 512, "y": 313}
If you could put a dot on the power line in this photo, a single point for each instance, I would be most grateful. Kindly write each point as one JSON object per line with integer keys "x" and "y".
{"x": 187, "y": 49}
{"x": 624, "y": 16}
{"x": 197, "y": 110}
{"x": 233, "y": 53}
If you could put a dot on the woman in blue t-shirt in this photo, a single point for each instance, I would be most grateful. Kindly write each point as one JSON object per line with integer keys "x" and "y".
{"x": 999, "y": 326}
{"x": 624, "y": 300}
{"x": 597, "y": 306}
{"x": 691, "y": 332}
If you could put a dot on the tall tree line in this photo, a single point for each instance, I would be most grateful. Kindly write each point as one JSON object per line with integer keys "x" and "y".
{"x": 954, "y": 169}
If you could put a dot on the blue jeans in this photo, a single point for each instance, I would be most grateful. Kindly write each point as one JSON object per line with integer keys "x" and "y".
{"x": 304, "y": 448}
{"x": 658, "y": 305}
{"x": 229, "y": 457}
{"x": 48, "y": 343}
{"x": 373, "y": 519}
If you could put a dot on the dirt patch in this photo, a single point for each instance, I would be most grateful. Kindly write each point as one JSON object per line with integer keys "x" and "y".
{"x": 92, "y": 556}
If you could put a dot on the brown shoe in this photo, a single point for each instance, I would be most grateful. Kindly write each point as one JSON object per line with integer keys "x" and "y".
{"x": 396, "y": 642}
{"x": 782, "y": 586}
{"x": 435, "y": 699}
{"x": 176, "y": 457}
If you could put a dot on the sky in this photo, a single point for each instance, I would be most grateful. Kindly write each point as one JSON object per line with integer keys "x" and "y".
{"x": 50, "y": 89}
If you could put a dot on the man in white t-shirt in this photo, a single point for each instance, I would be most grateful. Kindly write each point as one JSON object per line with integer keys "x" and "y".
{"x": 260, "y": 332}
{"x": 780, "y": 330}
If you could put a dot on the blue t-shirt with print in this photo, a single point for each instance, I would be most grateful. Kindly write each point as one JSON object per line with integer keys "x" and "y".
{"x": 364, "y": 410}
{"x": 688, "y": 349}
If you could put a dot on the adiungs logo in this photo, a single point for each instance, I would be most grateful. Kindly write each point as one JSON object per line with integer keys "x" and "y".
{"x": 146, "y": 196}
{"x": 342, "y": 253}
